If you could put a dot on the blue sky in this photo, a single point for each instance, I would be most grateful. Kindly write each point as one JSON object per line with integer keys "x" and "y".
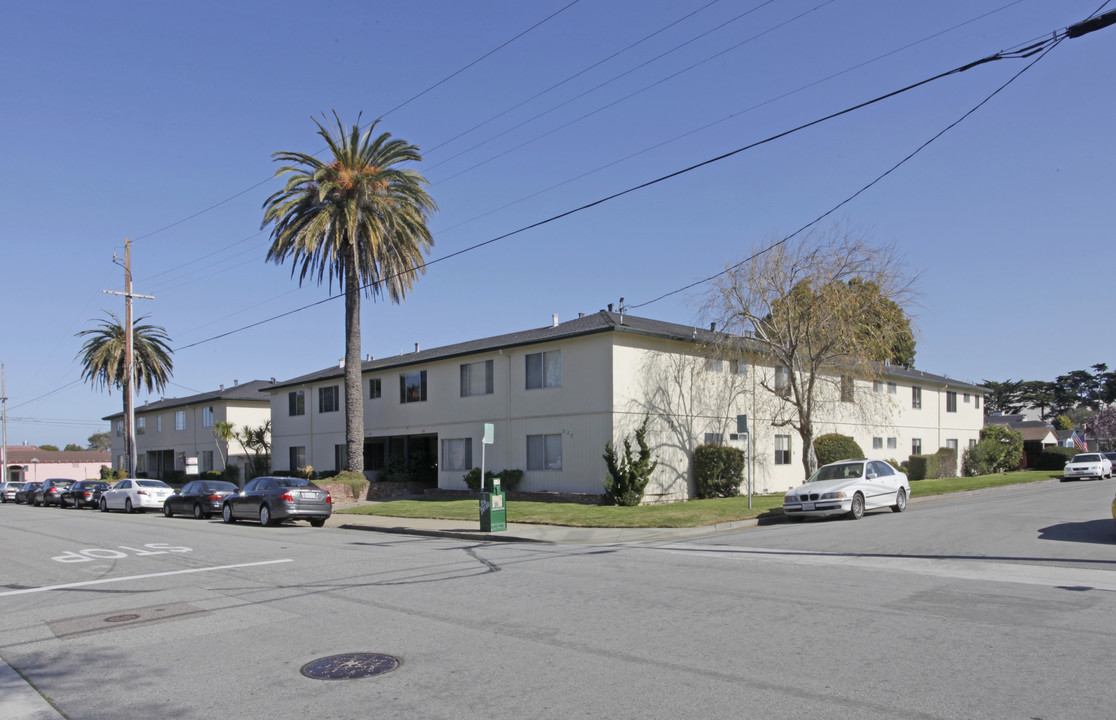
{"x": 129, "y": 119}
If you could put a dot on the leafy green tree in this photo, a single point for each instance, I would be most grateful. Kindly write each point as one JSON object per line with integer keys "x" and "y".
{"x": 102, "y": 359}
{"x": 223, "y": 432}
{"x": 628, "y": 476}
{"x": 1062, "y": 422}
{"x": 1003, "y": 397}
{"x": 51, "y": 448}
{"x": 73, "y": 447}
{"x": 359, "y": 216}
{"x": 258, "y": 442}
{"x": 1000, "y": 450}
{"x": 100, "y": 441}
{"x": 1039, "y": 394}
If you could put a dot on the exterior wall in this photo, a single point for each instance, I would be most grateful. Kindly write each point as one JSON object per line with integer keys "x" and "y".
{"x": 33, "y": 472}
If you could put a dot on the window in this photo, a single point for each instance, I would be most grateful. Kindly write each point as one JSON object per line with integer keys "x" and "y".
{"x": 916, "y": 446}
{"x": 141, "y": 426}
{"x": 297, "y": 457}
{"x": 329, "y": 399}
{"x": 207, "y": 416}
{"x": 180, "y": 461}
{"x": 965, "y": 398}
{"x": 976, "y": 401}
{"x": 877, "y": 386}
{"x": 158, "y": 423}
{"x": 782, "y": 380}
{"x": 375, "y": 455}
{"x": 141, "y": 463}
{"x": 738, "y": 367}
{"x": 892, "y": 388}
{"x": 544, "y": 369}
{"x": 951, "y": 401}
{"x": 847, "y": 388}
{"x": 412, "y": 387}
{"x": 296, "y": 403}
{"x": 877, "y": 443}
{"x": 952, "y": 445}
{"x": 714, "y": 439}
{"x": 916, "y": 398}
{"x": 544, "y": 452}
{"x": 119, "y": 428}
{"x": 972, "y": 443}
{"x": 374, "y": 388}
{"x": 340, "y": 455}
{"x": 457, "y": 455}
{"x": 714, "y": 365}
{"x": 782, "y": 450}
{"x": 892, "y": 443}
{"x": 476, "y": 379}
{"x": 180, "y": 420}
{"x": 205, "y": 461}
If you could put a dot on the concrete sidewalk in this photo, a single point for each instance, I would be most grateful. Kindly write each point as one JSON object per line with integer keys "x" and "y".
{"x": 519, "y": 532}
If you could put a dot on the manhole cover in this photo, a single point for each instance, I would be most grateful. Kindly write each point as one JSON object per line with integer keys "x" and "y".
{"x": 350, "y": 666}
{"x": 122, "y": 618}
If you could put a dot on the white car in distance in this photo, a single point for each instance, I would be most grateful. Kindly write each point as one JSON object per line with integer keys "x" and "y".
{"x": 131, "y": 494}
{"x": 1087, "y": 465}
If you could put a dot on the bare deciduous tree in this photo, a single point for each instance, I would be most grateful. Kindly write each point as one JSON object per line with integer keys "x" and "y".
{"x": 826, "y": 309}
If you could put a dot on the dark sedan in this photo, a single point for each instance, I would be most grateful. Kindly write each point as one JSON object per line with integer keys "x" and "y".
{"x": 274, "y": 499}
{"x": 51, "y": 492}
{"x": 200, "y": 498}
{"x": 27, "y": 493}
{"x": 83, "y": 493}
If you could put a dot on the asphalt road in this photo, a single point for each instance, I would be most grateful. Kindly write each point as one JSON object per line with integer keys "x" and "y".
{"x": 997, "y": 605}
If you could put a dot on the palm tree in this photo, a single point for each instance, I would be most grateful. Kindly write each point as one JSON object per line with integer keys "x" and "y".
{"x": 359, "y": 216}
{"x": 102, "y": 359}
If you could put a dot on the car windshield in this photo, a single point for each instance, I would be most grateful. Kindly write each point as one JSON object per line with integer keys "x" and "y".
{"x": 1087, "y": 458}
{"x": 152, "y": 483}
{"x": 838, "y": 472}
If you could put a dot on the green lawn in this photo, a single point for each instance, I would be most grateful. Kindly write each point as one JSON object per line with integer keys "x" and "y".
{"x": 693, "y": 513}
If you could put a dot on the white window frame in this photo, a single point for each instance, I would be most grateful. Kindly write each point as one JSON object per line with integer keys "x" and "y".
{"x": 877, "y": 443}
{"x": 782, "y": 449}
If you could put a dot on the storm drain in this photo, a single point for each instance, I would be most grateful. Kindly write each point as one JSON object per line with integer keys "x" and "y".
{"x": 135, "y": 617}
{"x": 350, "y": 666}
{"x": 123, "y": 618}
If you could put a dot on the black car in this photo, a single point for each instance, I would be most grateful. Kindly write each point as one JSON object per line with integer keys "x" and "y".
{"x": 274, "y": 499}
{"x": 27, "y": 493}
{"x": 200, "y": 498}
{"x": 83, "y": 493}
{"x": 50, "y": 493}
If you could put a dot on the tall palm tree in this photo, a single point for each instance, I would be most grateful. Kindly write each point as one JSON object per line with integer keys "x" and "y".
{"x": 359, "y": 216}
{"x": 102, "y": 359}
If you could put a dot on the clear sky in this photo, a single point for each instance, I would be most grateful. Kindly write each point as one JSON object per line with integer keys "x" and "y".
{"x": 157, "y": 121}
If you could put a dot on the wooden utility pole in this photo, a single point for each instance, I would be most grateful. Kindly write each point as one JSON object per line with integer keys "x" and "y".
{"x": 129, "y": 369}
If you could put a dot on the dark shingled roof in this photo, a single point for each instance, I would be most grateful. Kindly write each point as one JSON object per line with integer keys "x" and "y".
{"x": 254, "y": 391}
{"x": 599, "y": 322}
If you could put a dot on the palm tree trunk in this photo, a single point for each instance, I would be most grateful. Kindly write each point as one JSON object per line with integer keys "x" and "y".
{"x": 354, "y": 396}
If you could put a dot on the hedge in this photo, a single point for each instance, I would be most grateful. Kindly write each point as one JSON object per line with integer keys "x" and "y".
{"x": 718, "y": 471}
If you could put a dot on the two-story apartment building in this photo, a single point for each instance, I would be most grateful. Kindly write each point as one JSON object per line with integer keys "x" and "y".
{"x": 173, "y": 431}
{"x": 556, "y": 395}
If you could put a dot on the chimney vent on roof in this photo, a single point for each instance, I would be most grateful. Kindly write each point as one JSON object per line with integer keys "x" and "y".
{"x": 236, "y": 383}
{"x": 581, "y": 315}
{"x": 220, "y": 386}
{"x": 341, "y": 363}
{"x": 273, "y": 379}
{"x": 554, "y": 320}
{"x": 610, "y": 307}
{"x": 416, "y": 347}
{"x": 713, "y": 326}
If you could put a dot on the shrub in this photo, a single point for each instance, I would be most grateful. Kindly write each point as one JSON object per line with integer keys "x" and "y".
{"x": 1055, "y": 458}
{"x": 358, "y": 484}
{"x": 947, "y": 463}
{"x": 628, "y": 477}
{"x": 920, "y": 467}
{"x": 1007, "y": 447}
{"x": 508, "y": 479}
{"x": 718, "y": 471}
{"x": 834, "y": 447}
{"x": 981, "y": 458}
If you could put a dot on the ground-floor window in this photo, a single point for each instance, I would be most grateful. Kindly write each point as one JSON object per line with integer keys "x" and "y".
{"x": 544, "y": 452}
{"x": 457, "y": 454}
{"x": 297, "y": 457}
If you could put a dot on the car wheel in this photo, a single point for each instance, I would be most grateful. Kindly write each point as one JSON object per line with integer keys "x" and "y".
{"x": 62, "y": 503}
{"x": 265, "y": 515}
{"x": 167, "y": 512}
{"x": 317, "y": 522}
{"x": 226, "y": 514}
{"x": 198, "y": 514}
{"x": 857, "y": 510}
{"x": 900, "y": 501}
{"x": 128, "y": 505}
{"x": 104, "y": 505}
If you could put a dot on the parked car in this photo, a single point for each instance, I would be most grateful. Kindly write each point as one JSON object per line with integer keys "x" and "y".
{"x": 201, "y": 498}
{"x": 849, "y": 487}
{"x": 84, "y": 493}
{"x": 50, "y": 492}
{"x": 1087, "y": 465}
{"x": 8, "y": 490}
{"x": 27, "y": 493}
{"x": 274, "y": 499}
{"x": 131, "y": 494}
{"x": 1111, "y": 458}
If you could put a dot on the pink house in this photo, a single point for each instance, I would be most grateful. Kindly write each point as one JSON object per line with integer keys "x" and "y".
{"x": 27, "y": 463}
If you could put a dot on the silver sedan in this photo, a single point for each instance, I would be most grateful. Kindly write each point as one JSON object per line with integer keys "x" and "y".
{"x": 274, "y": 499}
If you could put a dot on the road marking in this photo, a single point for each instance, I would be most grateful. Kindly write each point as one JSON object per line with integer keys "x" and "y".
{"x": 102, "y": 581}
{"x": 953, "y": 568}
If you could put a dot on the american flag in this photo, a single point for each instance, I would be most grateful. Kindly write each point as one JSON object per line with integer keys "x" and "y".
{"x": 1079, "y": 442}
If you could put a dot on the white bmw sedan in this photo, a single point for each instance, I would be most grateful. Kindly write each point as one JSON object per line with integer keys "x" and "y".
{"x": 132, "y": 494}
{"x": 848, "y": 488}
{"x": 1088, "y": 465}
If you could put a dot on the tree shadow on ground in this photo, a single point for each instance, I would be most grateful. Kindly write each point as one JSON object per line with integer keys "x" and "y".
{"x": 1090, "y": 531}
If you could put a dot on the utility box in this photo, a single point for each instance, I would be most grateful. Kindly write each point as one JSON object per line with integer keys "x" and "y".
{"x": 493, "y": 509}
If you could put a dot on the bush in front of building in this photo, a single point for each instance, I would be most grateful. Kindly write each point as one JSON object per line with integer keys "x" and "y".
{"x": 920, "y": 467}
{"x": 1055, "y": 458}
{"x": 718, "y": 471}
{"x": 628, "y": 476}
{"x": 947, "y": 463}
{"x": 834, "y": 447}
{"x": 509, "y": 478}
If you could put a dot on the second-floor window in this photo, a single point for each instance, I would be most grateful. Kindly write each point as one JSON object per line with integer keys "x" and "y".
{"x": 207, "y": 416}
{"x": 296, "y": 403}
{"x": 476, "y": 378}
{"x": 544, "y": 369}
{"x": 329, "y": 399}
{"x": 375, "y": 388}
{"x": 916, "y": 399}
{"x": 782, "y": 380}
{"x": 847, "y": 393}
{"x": 951, "y": 401}
{"x": 158, "y": 423}
{"x": 141, "y": 426}
{"x": 180, "y": 420}
{"x": 412, "y": 387}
